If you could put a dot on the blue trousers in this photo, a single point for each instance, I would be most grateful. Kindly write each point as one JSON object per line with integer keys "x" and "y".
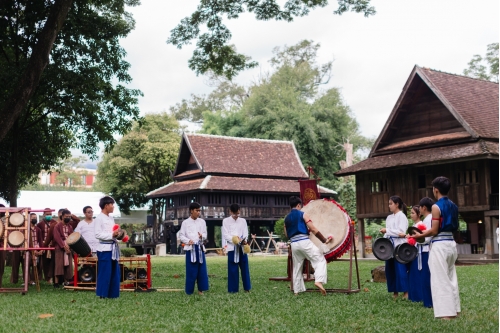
{"x": 196, "y": 272}
{"x": 420, "y": 281}
{"x": 397, "y": 276}
{"x": 108, "y": 276}
{"x": 233, "y": 278}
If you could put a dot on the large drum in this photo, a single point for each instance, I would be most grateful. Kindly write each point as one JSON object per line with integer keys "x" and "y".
{"x": 15, "y": 238}
{"x": 78, "y": 244}
{"x": 331, "y": 219}
{"x": 16, "y": 220}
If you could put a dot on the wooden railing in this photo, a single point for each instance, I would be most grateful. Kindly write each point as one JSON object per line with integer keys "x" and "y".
{"x": 221, "y": 212}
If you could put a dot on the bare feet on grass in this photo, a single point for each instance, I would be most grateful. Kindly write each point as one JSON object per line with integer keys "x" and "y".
{"x": 320, "y": 287}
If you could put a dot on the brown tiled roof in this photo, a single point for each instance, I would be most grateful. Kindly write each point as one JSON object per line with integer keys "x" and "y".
{"x": 432, "y": 155}
{"x": 426, "y": 140}
{"x": 475, "y": 101}
{"x": 244, "y": 156}
{"x": 188, "y": 173}
{"x": 233, "y": 184}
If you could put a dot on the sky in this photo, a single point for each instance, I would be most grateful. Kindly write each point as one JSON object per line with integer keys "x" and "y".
{"x": 373, "y": 57}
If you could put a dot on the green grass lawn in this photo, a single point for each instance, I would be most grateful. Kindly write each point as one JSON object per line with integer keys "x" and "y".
{"x": 270, "y": 307}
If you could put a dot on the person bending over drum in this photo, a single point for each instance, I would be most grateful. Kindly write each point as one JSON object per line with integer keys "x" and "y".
{"x": 297, "y": 228}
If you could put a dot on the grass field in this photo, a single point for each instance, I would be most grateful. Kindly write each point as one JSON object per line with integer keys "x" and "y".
{"x": 270, "y": 307}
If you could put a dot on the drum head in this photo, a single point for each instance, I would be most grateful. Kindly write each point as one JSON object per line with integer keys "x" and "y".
{"x": 2, "y": 228}
{"x": 73, "y": 238}
{"x": 383, "y": 249}
{"x": 16, "y": 220}
{"x": 404, "y": 253}
{"x": 15, "y": 238}
{"x": 331, "y": 220}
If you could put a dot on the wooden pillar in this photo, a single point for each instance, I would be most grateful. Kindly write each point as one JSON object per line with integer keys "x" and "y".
{"x": 361, "y": 239}
{"x": 211, "y": 234}
{"x": 488, "y": 237}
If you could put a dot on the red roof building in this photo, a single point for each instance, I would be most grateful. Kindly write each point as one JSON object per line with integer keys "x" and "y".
{"x": 217, "y": 171}
{"x": 442, "y": 125}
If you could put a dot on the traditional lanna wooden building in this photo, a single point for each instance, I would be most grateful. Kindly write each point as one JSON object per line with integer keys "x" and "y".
{"x": 217, "y": 171}
{"x": 441, "y": 125}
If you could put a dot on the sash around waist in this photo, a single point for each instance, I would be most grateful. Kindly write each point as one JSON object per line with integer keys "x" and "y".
{"x": 299, "y": 237}
{"x": 443, "y": 236}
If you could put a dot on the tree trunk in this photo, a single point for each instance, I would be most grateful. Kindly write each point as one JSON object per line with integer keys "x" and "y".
{"x": 39, "y": 60}
{"x": 13, "y": 179}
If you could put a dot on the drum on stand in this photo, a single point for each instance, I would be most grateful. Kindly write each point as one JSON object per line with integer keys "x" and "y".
{"x": 16, "y": 220}
{"x": 78, "y": 244}
{"x": 383, "y": 249}
{"x": 331, "y": 220}
{"x": 15, "y": 238}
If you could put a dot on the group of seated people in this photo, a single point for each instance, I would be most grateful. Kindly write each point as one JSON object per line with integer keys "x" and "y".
{"x": 49, "y": 231}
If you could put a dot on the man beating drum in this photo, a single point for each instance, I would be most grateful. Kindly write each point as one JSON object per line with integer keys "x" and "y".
{"x": 297, "y": 228}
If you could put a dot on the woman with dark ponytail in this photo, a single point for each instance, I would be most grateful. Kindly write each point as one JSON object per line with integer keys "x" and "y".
{"x": 396, "y": 226}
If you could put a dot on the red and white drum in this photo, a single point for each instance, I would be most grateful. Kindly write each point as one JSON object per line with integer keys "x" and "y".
{"x": 331, "y": 219}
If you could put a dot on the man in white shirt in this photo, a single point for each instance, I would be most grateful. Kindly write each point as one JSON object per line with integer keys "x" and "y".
{"x": 193, "y": 232}
{"x": 236, "y": 226}
{"x": 108, "y": 251}
{"x": 86, "y": 229}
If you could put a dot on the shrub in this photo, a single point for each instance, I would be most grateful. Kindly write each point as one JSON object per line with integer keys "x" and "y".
{"x": 128, "y": 251}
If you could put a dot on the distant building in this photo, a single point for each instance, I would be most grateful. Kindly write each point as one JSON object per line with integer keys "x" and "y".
{"x": 76, "y": 177}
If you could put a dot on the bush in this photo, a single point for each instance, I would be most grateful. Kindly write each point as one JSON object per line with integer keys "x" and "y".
{"x": 128, "y": 251}
{"x": 279, "y": 229}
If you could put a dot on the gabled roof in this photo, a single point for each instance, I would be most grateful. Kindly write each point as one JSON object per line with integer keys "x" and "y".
{"x": 221, "y": 155}
{"x": 233, "y": 184}
{"x": 472, "y": 104}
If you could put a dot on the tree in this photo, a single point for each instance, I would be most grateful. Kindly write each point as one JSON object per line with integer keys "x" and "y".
{"x": 79, "y": 100}
{"x": 289, "y": 105}
{"x": 213, "y": 52}
{"x": 484, "y": 68}
{"x": 140, "y": 162}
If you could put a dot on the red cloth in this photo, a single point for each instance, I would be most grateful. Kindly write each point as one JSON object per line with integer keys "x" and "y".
{"x": 308, "y": 190}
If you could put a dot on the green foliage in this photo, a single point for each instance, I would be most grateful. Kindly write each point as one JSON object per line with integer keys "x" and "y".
{"x": 128, "y": 251}
{"x": 80, "y": 99}
{"x": 288, "y": 105}
{"x": 141, "y": 161}
{"x": 484, "y": 68}
{"x": 372, "y": 228}
{"x": 347, "y": 196}
{"x": 279, "y": 229}
{"x": 213, "y": 52}
{"x": 269, "y": 307}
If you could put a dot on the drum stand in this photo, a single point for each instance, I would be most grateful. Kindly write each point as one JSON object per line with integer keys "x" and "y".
{"x": 349, "y": 289}
{"x": 289, "y": 269}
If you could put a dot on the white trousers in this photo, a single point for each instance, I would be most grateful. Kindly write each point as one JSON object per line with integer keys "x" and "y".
{"x": 305, "y": 249}
{"x": 444, "y": 283}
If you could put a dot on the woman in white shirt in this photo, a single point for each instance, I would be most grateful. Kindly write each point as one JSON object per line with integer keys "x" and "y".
{"x": 396, "y": 226}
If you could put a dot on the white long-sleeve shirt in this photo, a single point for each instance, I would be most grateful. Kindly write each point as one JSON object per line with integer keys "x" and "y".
{"x": 428, "y": 224}
{"x": 104, "y": 231}
{"x": 394, "y": 225}
{"x": 190, "y": 229}
{"x": 232, "y": 227}
{"x": 88, "y": 233}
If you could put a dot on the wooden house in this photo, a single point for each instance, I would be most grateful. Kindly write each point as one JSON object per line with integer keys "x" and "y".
{"x": 217, "y": 171}
{"x": 442, "y": 125}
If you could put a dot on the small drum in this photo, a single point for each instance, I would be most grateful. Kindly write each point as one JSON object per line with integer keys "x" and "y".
{"x": 405, "y": 253}
{"x": 383, "y": 249}
{"x": 16, "y": 220}
{"x": 15, "y": 238}
{"x": 2, "y": 227}
{"x": 331, "y": 219}
{"x": 78, "y": 244}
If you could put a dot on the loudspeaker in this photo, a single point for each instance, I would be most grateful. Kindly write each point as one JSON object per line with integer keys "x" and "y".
{"x": 149, "y": 221}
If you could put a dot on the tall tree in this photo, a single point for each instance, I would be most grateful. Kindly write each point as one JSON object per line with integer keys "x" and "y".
{"x": 213, "y": 51}
{"x": 289, "y": 105}
{"x": 140, "y": 162}
{"x": 484, "y": 68}
{"x": 80, "y": 99}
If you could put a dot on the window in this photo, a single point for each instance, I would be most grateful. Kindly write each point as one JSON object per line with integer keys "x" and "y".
{"x": 378, "y": 186}
{"x": 237, "y": 199}
{"x": 467, "y": 177}
{"x": 421, "y": 181}
{"x": 259, "y": 200}
{"x": 170, "y": 203}
{"x": 214, "y": 199}
{"x": 84, "y": 180}
{"x": 281, "y": 200}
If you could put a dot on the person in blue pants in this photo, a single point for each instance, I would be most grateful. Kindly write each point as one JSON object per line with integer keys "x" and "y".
{"x": 235, "y": 232}
{"x": 193, "y": 233}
